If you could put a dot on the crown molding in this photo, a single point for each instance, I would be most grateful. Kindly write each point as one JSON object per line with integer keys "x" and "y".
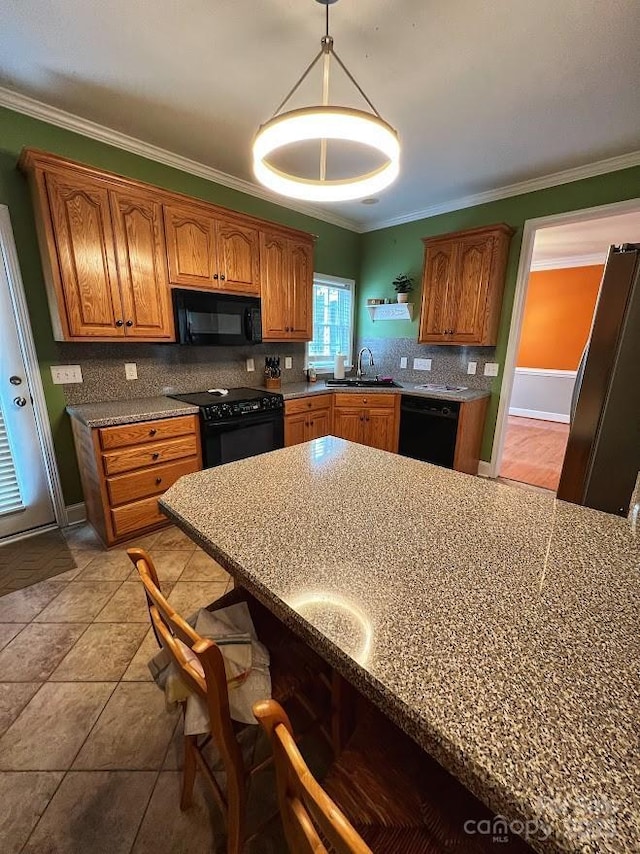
{"x": 591, "y": 260}
{"x": 555, "y": 179}
{"x": 69, "y": 121}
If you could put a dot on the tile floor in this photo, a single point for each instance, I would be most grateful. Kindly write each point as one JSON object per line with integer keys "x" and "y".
{"x": 89, "y": 757}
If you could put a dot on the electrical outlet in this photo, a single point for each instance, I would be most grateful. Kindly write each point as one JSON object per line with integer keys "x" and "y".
{"x": 422, "y": 364}
{"x": 131, "y": 370}
{"x": 491, "y": 369}
{"x": 288, "y": 362}
{"x": 472, "y": 367}
{"x": 66, "y": 374}
{"x": 251, "y": 365}
{"x": 403, "y": 362}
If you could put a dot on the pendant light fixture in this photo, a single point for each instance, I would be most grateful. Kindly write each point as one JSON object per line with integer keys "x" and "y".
{"x": 322, "y": 123}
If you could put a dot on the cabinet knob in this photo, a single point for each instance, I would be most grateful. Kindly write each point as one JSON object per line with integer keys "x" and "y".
{"x": 309, "y": 404}
{"x": 129, "y": 323}
{"x": 215, "y": 275}
{"x": 222, "y": 277}
{"x": 364, "y": 400}
{"x": 119, "y": 323}
{"x": 155, "y": 455}
{"x": 158, "y": 481}
{"x": 153, "y": 431}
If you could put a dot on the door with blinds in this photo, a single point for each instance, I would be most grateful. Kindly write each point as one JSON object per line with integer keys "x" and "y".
{"x": 25, "y": 495}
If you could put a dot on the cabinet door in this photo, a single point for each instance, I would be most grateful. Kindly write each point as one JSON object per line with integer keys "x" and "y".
{"x": 439, "y": 267}
{"x": 238, "y": 251}
{"x": 380, "y": 429}
{"x": 81, "y": 225}
{"x": 300, "y": 291}
{"x": 319, "y": 424}
{"x": 274, "y": 278}
{"x": 348, "y": 424}
{"x": 140, "y": 252}
{"x": 468, "y": 289}
{"x": 295, "y": 429}
{"x": 191, "y": 250}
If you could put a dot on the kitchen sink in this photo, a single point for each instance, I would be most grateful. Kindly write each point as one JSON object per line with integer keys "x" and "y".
{"x": 363, "y": 382}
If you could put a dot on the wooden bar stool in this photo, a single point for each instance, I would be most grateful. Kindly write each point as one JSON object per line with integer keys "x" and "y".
{"x": 383, "y": 795}
{"x": 201, "y": 667}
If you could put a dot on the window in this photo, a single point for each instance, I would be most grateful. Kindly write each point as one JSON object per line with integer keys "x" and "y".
{"x": 333, "y": 305}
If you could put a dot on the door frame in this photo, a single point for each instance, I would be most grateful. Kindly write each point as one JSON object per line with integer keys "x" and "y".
{"x": 531, "y": 226}
{"x": 32, "y": 369}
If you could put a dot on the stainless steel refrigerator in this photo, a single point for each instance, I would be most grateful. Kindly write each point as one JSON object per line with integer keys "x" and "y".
{"x": 602, "y": 459}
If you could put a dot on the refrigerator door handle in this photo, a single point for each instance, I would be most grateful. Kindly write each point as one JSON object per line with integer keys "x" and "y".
{"x": 575, "y": 394}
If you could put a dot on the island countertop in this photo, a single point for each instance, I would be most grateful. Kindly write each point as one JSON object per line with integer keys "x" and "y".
{"x": 497, "y": 626}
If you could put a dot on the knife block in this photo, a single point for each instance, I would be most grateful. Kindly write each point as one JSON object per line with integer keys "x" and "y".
{"x": 273, "y": 383}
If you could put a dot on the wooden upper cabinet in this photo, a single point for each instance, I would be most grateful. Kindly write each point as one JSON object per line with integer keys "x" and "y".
{"x": 287, "y": 284}
{"x": 274, "y": 277}
{"x": 85, "y": 275}
{"x": 300, "y": 290}
{"x": 141, "y": 257}
{"x": 439, "y": 266}
{"x": 191, "y": 246}
{"x": 462, "y": 286}
{"x": 238, "y": 250}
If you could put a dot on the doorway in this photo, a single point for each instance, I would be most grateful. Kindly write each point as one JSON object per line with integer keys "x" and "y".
{"x": 29, "y": 487}
{"x": 561, "y": 268}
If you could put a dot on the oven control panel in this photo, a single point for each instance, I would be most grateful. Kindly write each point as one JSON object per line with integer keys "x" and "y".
{"x": 221, "y": 411}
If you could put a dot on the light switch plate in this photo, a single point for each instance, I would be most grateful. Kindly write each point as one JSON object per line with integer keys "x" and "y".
{"x": 472, "y": 367}
{"x": 288, "y": 362}
{"x": 131, "y": 370}
{"x": 403, "y": 362}
{"x": 491, "y": 369}
{"x": 422, "y": 364}
{"x": 251, "y": 365}
{"x": 66, "y": 374}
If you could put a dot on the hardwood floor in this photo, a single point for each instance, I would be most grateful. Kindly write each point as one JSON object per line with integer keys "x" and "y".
{"x": 534, "y": 451}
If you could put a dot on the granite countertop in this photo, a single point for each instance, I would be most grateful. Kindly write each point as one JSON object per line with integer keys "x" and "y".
{"x": 113, "y": 412}
{"x": 497, "y": 626}
{"x": 293, "y": 390}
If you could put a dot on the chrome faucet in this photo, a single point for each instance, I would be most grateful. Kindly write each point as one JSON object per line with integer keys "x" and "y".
{"x": 359, "y": 371}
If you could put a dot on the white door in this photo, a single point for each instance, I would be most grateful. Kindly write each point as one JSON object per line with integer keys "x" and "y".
{"x": 25, "y": 495}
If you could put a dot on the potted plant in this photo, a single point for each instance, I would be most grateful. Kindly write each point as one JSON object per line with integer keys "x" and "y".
{"x": 403, "y": 285}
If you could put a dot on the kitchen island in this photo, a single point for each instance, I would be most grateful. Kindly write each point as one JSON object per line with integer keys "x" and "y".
{"x": 498, "y": 627}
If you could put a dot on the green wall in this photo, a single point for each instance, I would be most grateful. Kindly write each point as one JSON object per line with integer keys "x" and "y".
{"x": 337, "y": 249}
{"x": 398, "y": 249}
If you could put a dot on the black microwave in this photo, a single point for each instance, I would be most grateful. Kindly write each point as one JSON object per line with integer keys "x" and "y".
{"x": 213, "y": 319}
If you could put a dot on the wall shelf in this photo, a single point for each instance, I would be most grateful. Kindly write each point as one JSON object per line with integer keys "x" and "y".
{"x": 391, "y": 311}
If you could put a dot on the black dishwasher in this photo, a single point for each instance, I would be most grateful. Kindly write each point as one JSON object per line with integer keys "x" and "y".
{"x": 428, "y": 429}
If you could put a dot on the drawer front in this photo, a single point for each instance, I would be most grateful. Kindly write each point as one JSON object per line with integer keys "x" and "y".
{"x": 146, "y": 431}
{"x": 380, "y": 401}
{"x": 307, "y": 404}
{"x": 156, "y": 454}
{"x": 154, "y": 481}
{"x": 136, "y": 517}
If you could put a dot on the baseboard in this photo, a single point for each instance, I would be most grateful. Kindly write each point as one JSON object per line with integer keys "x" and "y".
{"x": 484, "y": 469}
{"x": 537, "y": 414}
{"x": 76, "y": 513}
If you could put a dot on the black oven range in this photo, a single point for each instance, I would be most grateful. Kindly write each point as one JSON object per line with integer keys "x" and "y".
{"x": 242, "y": 423}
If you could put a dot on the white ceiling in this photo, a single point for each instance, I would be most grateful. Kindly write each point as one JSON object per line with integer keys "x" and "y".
{"x": 484, "y": 93}
{"x": 583, "y": 242}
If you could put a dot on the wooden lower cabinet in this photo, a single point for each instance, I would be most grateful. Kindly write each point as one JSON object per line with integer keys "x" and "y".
{"x": 125, "y": 469}
{"x": 307, "y": 418}
{"x": 371, "y": 420}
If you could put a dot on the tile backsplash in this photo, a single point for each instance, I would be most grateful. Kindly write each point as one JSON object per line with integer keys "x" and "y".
{"x": 448, "y": 363}
{"x": 167, "y": 368}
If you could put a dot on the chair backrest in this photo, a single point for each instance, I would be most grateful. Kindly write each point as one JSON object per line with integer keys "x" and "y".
{"x": 198, "y": 660}
{"x": 309, "y": 816}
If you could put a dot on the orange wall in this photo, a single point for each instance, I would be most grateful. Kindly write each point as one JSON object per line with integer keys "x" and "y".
{"x": 557, "y": 317}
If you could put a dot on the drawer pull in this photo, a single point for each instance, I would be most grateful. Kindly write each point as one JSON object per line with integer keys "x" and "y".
{"x": 153, "y": 431}
{"x": 158, "y": 481}
{"x": 156, "y": 455}
{"x": 309, "y": 404}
